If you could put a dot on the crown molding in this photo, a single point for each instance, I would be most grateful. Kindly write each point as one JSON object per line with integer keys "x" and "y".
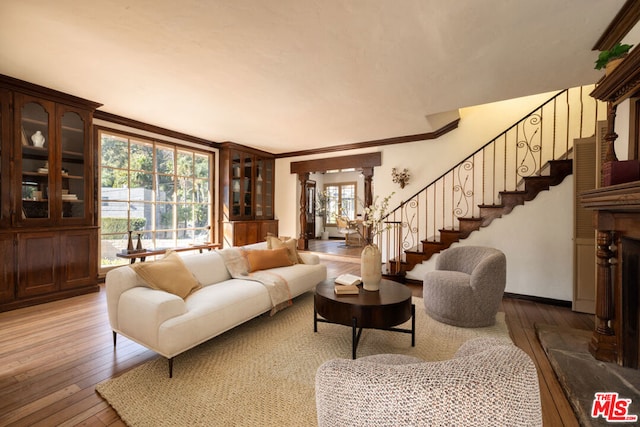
{"x": 622, "y": 23}
{"x": 124, "y": 121}
{"x": 375, "y": 143}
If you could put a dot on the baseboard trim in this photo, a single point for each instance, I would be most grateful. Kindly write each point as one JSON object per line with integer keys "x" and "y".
{"x": 541, "y": 300}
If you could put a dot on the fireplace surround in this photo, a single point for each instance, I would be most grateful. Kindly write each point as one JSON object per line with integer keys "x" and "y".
{"x": 616, "y": 337}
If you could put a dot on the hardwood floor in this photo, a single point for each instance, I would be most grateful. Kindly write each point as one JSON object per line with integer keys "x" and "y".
{"x": 52, "y": 356}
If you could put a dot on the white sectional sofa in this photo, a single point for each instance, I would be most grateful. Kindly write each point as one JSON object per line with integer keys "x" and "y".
{"x": 169, "y": 325}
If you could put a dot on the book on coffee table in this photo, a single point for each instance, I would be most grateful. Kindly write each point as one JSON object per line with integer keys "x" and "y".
{"x": 346, "y": 290}
{"x": 348, "y": 279}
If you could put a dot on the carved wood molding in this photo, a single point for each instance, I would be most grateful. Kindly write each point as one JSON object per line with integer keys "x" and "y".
{"x": 623, "y": 22}
{"x": 621, "y": 197}
{"x": 45, "y": 92}
{"x": 345, "y": 162}
{"x": 622, "y": 83}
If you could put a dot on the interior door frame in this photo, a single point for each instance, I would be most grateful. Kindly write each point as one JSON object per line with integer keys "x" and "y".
{"x": 364, "y": 162}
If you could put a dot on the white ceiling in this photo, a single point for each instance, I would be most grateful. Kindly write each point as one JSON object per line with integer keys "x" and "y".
{"x": 288, "y": 75}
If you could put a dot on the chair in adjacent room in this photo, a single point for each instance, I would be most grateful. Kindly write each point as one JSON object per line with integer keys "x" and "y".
{"x": 466, "y": 287}
{"x": 349, "y": 232}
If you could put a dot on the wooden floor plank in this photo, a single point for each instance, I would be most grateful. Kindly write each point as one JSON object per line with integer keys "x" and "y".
{"x": 53, "y": 355}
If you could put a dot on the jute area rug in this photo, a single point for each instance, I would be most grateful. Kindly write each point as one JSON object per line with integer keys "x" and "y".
{"x": 262, "y": 373}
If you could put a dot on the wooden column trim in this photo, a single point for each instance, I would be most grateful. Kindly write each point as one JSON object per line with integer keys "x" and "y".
{"x": 303, "y": 243}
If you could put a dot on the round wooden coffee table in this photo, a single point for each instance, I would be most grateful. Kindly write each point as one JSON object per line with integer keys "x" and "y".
{"x": 383, "y": 309}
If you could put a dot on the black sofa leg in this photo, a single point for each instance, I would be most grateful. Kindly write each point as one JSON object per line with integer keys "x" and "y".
{"x": 114, "y": 338}
{"x": 170, "y": 367}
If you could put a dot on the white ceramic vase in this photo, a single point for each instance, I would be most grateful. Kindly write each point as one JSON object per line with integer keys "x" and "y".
{"x": 38, "y": 139}
{"x": 371, "y": 268}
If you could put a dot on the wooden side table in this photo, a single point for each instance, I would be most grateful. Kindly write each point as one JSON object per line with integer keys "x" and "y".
{"x": 148, "y": 252}
{"x": 383, "y": 309}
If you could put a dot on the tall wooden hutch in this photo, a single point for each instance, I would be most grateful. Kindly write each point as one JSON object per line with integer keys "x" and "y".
{"x": 48, "y": 225}
{"x": 246, "y": 194}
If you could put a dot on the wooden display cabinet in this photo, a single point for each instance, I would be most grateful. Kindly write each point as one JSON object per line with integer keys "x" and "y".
{"x": 48, "y": 223}
{"x": 246, "y": 194}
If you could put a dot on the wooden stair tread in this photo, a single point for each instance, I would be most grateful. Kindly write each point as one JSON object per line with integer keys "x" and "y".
{"x": 558, "y": 171}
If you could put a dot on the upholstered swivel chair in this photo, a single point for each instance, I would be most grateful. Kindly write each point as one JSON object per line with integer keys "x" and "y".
{"x": 344, "y": 228}
{"x": 466, "y": 287}
{"x": 489, "y": 382}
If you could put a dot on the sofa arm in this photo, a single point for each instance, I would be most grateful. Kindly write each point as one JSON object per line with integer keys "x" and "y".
{"x": 311, "y": 259}
{"x": 118, "y": 281}
{"x": 142, "y": 311}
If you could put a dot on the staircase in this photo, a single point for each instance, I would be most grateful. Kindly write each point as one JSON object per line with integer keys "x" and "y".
{"x": 513, "y": 168}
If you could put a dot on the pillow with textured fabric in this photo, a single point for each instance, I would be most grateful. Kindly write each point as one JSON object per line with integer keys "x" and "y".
{"x": 264, "y": 259}
{"x": 168, "y": 274}
{"x": 289, "y": 243}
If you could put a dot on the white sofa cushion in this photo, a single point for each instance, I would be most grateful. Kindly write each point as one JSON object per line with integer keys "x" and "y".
{"x": 207, "y": 267}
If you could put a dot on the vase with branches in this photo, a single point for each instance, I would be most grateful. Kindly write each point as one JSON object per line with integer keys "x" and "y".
{"x": 373, "y": 225}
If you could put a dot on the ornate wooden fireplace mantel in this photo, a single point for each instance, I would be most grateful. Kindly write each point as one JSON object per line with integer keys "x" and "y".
{"x": 617, "y": 221}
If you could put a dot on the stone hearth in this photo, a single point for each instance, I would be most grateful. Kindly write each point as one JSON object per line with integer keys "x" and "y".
{"x": 581, "y": 375}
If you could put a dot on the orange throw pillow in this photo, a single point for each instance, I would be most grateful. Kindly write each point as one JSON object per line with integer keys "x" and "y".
{"x": 291, "y": 245}
{"x": 264, "y": 259}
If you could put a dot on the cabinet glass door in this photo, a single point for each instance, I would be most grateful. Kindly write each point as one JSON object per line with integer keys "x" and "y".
{"x": 5, "y": 143}
{"x": 72, "y": 171}
{"x": 268, "y": 188}
{"x": 236, "y": 178}
{"x": 259, "y": 206}
{"x": 247, "y": 187}
{"x": 35, "y": 172}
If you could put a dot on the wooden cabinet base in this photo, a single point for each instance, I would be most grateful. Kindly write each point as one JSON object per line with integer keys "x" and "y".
{"x": 48, "y": 265}
{"x": 240, "y": 233}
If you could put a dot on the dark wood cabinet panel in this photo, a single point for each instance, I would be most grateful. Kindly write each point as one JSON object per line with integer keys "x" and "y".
{"x": 49, "y": 230}
{"x": 37, "y": 264}
{"x": 240, "y": 233}
{"x": 7, "y": 268}
{"x": 79, "y": 267}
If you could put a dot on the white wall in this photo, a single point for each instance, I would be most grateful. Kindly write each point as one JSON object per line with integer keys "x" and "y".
{"x": 621, "y": 146}
{"x": 538, "y": 244}
{"x": 427, "y": 160}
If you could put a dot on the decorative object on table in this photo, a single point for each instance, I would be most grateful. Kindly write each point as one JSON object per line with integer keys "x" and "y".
{"x": 371, "y": 268}
{"x": 130, "y": 243}
{"x": 610, "y": 59}
{"x": 348, "y": 279}
{"x": 374, "y": 224}
{"x": 346, "y": 290}
{"x": 38, "y": 139}
{"x": 139, "y": 247}
{"x": 401, "y": 178}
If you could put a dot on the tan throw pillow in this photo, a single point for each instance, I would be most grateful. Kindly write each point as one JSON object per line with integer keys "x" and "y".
{"x": 168, "y": 274}
{"x": 290, "y": 244}
{"x": 264, "y": 259}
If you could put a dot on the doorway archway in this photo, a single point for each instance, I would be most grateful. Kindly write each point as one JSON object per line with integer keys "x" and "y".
{"x": 364, "y": 162}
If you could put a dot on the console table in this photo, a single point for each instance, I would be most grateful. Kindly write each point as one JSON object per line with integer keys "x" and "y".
{"x": 151, "y": 252}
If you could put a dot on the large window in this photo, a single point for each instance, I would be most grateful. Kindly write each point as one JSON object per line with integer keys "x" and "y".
{"x": 159, "y": 191}
{"x": 341, "y": 201}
